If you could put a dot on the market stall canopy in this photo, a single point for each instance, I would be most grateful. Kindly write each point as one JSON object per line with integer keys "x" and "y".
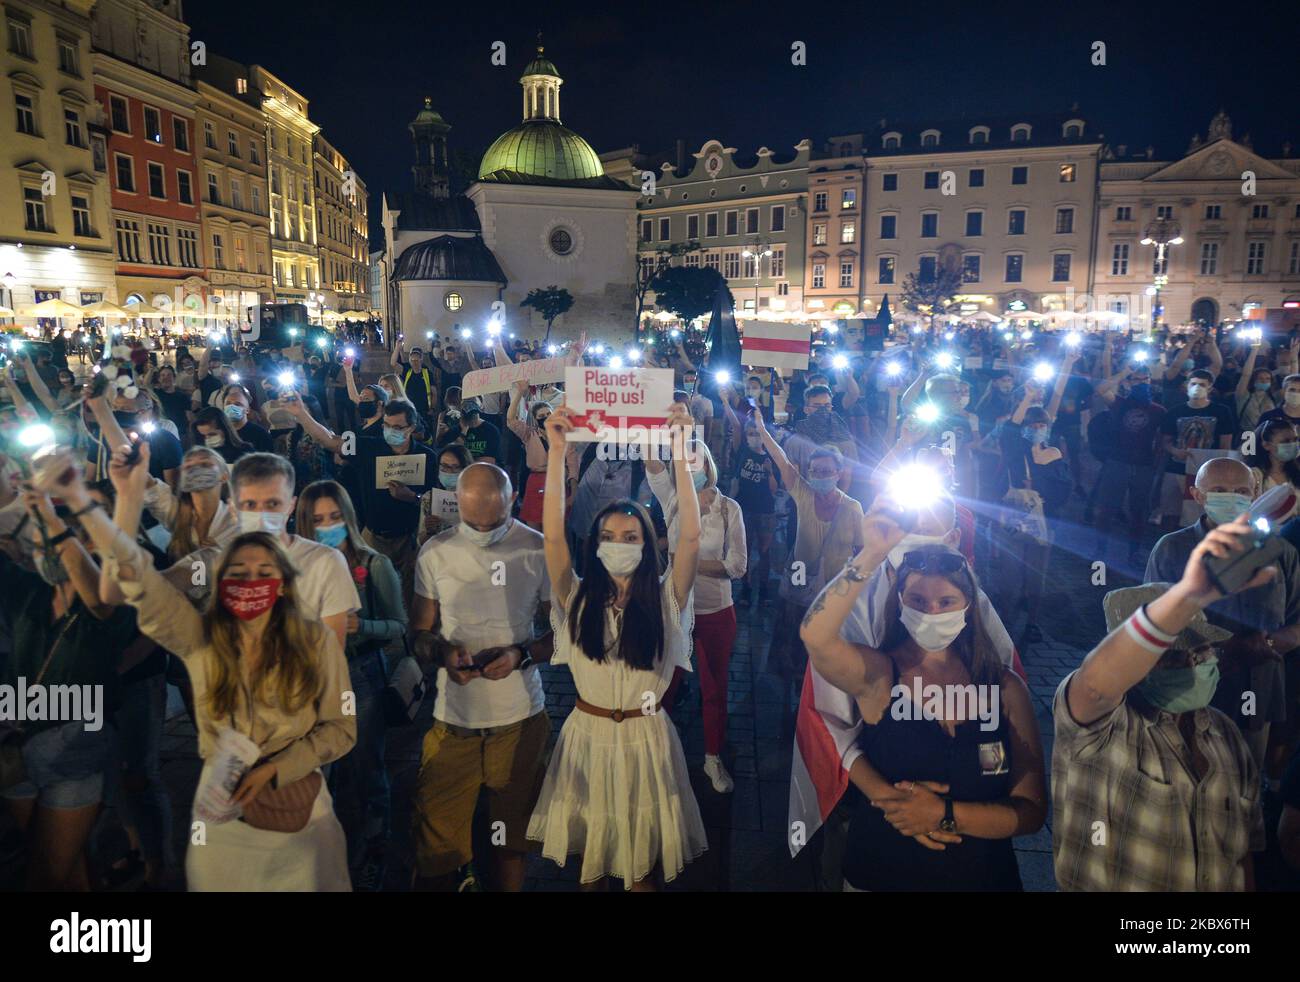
{"x": 102, "y": 308}
{"x": 140, "y": 309}
{"x": 49, "y": 308}
{"x": 985, "y": 316}
{"x": 1024, "y": 315}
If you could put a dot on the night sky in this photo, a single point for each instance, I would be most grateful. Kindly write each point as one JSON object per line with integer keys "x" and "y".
{"x": 650, "y": 73}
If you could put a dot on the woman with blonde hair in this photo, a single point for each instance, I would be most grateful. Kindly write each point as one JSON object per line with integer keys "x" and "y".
{"x": 269, "y": 692}
{"x": 197, "y": 513}
{"x": 532, "y": 434}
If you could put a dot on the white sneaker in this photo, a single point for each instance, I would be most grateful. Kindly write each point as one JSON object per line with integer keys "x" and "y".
{"x": 722, "y": 782}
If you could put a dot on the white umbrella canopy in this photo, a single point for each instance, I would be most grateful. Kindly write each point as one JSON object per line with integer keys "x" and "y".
{"x": 986, "y": 317}
{"x": 138, "y": 308}
{"x": 102, "y": 308}
{"x": 49, "y": 308}
{"x": 5, "y": 311}
{"x": 1023, "y": 315}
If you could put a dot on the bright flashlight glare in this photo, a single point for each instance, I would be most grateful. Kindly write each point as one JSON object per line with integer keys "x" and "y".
{"x": 1042, "y": 372}
{"x": 1147, "y": 340}
{"x": 234, "y": 376}
{"x": 943, "y": 360}
{"x": 465, "y": 333}
{"x": 1140, "y": 356}
{"x": 840, "y": 362}
{"x": 616, "y": 362}
{"x": 1026, "y": 334}
{"x": 1262, "y": 524}
{"x": 832, "y": 329}
{"x": 37, "y": 435}
{"x": 915, "y": 486}
{"x": 1073, "y": 339}
{"x": 917, "y": 329}
{"x": 214, "y": 337}
{"x": 551, "y": 349}
{"x": 494, "y": 328}
{"x": 350, "y": 352}
{"x": 149, "y": 427}
{"x": 723, "y": 376}
{"x": 633, "y": 354}
{"x": 927, "y": 412}
{"x": 674, "y": 334}
{"x": 293, "y": 332}
{"x": 286, "y": 379}
{"x": 429, "y": 335}
{"x": 320, "y": 342}
{"x": 949, "y": 335}
{"x": 597, "y": 348}
{"x": 893, "y": 369}
{"x": 1006, "y": 336}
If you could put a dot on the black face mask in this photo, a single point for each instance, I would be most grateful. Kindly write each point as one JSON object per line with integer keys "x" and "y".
{"x": 368, "y": 409}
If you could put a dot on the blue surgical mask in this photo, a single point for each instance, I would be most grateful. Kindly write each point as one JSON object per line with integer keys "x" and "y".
{"x": 331, "y": 535}
{"x": 699, "y": 479}
{"x": 448, "y": 481}
{"x": 823, "y": 485}
{"x": 1181, "y": 690}
{"x": 394, "y": 437}
{"x": 1286, "y": 452}
{"x": 1224, "y": 506}
{"x": 1034, "y": 434}
{"x": 1263, "y": 386}
{"x": 236, "y": 412}
{"x": 1141, "y": 392}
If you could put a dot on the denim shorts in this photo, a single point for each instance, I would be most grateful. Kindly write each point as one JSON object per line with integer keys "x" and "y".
{"x": 65, "y": 766}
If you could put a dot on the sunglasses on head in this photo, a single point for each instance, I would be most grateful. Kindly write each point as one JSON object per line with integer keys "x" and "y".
{"x": 934, "y": 561}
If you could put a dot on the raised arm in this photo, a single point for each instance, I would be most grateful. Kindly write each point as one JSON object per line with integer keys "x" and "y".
{"x": 39, "y": 387}
{"x": 559, "y": 564}
{"x": 789, "y": 475}
{"x": 514, "y": 422}
{"x": 83, "y": 573}
{"x": 687, "y": 548}
{"x": 1062, "y": 380}
{"x": 353, "y": 394}
{"x": 322, "y": 434}
{"x": 1247, "y": 370}
{"x": 1175, "y": 365}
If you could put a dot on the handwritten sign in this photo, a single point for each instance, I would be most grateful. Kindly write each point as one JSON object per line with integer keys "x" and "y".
{"x": 402, "y": 468}
{"x": 618, "y": 406}
{"x": 443, "y": 504}
{"x": 500, "y": 377}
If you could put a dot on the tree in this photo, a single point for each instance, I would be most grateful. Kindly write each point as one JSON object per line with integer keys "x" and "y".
{"x": 650, "y": 266}
{"x": 935, "y": 294}
{"x": 550, "y": 302}
{"x": 687, "y": 291}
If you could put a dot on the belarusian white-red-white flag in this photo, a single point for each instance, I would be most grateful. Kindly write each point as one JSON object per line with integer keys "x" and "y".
{"x": 771, "y": 344}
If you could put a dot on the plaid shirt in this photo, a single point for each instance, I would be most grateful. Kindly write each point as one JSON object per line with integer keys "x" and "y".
{"x": 1124, "y": 777}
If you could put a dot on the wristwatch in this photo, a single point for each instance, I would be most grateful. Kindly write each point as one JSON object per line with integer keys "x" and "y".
{"x": 525, "y": 657}
{"x": 949, "y": 821}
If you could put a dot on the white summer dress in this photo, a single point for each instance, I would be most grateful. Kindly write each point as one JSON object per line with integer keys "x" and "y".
{"x": 619, "y": 793}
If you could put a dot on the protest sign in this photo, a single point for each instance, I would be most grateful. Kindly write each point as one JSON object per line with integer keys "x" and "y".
{"x": 443, "y": 504}
{"x": 619, "y": 406}
{"x": 500, "y": 378}
{"x": 402, "y": 468}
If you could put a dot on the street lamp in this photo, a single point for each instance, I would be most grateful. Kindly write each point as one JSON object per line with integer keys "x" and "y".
{"x": 759, "y": 251}
{"x": 1161, "y": 233}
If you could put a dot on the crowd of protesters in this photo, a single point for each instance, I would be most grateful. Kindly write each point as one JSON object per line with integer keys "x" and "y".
{"x": 303, "y": 545}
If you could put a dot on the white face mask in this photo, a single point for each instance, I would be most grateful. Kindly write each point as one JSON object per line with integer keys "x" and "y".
{"x": 619, "y": 558}
{"x": 1198, "y": 392}
{"x": 1293, "y": 399}
{"x": 913, "y": 541}
{"x": 271, "y": 522}
{"x": 484, "y": 539}
{"x": 933, "y": 632}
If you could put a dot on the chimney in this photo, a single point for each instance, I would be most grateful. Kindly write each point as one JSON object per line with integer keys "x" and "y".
{"x": 681, "y": 156}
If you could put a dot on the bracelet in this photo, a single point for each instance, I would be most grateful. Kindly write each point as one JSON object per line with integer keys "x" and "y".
{"x": 853, "y": 574}
{"x": 59, "y": 539}
{"x": 1143, "y": 630}
{"x": 89, "y": 508}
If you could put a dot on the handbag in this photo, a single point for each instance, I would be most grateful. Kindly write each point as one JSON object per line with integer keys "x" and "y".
{"x": 12, "y": 738}
{"x": 283, "y": 809}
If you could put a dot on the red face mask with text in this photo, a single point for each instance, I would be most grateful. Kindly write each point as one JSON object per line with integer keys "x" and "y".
{"x": 248, "y": 599}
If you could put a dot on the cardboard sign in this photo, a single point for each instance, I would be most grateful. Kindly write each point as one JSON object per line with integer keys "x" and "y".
{"x": 620, "y": 406}
{"x": 500, "y": 378}
{"x": 443, "y": 504}
{"x": 402, "y": 468}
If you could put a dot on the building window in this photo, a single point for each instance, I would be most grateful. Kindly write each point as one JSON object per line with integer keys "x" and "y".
{"x": 974, "y": 223}
{"x": 849, "y": 232}
{"x": 1016, "y": 222}
{"x": 979, "y": 136}
{"x": 218, "y": 251}
{"x": 731, "y": 265}
{"x": 20, "y": 37}
{"x": 819, "y": 276}
{"x": 975, "y": 178}
{"x": 885, "y": 269}
{"x": 214, "y": 192}
{"x": 26, "y": 108}
{"x": 692, "y": 227}
{"x": 184, "y": 188}
{"x": 1119, "y": 259}
{"x": 751, "y": 221}
{"x": 930, "y": 140}
{"x": 777, "y": 219}
{"x": 819, "y": 200}
{"x": 81, "y": 216}
{"x": 1073, "y": 131}
{"x": 1020, "y": 134}
{"x": 1064, "y": 221}
{"x": 819, "y": 233}
{"x": 776, "y": 265}
{"x": 1015, "y": 267}
{"x": 1164, "y": 211}
{"x": 889, "y": 226}
{"x": 748, "y": 268}
{"x": 209, "y": 136}
{"x": 189, "y": 247}
{"x": 1209, "y": 258}
{"x": 711, "y": 225}
{"x": 254, "y": 153}
{"x": 128, "y": 240}
{"x": 1019, "y": 175}
{"x": 1259, "y": 211}
{"x": 69, "y": 57}
{"x": 713, "y": 260}
{"x": 1294, "y": 265}
{"x": 891, "y": 143}
{"x": 647, "y": 225}
{"x": 236, "y": 196}
{"x": 931, "y": 180}
{"x": 1213, "y": 213}
{"x": 453, "y": 301}
{"x": 125, "y": 173}
{"x": 1067, "y": 173}
{"x": 72, "y": 128}
{"x": 889, "y": 182}
{"x": 160, "y": 244}
{"x": 561, "y": 241}
{"x": 1255, "y": 259}
{"x": 152, "y": 125}
{"x": 119, "y": 116}
{"x": 1061, "y": 268}
{"x": 1159, "y": 266}
{"x": 929, "y": 225}
{"x": 157, "y": 183}
{"x": 848, "y": 198}
{"x": 927, "y": 269}
{"x": 692, "y": 260}
{"x": 241, "y": 86}
{"x": 1124, "y": 213}
{"x": 846, "y": 274}
{"x": 34, "y": 207}
{"x": 180, "y": 134}
{"x": 970, "y": 269}
{"x": 733, "y": 223}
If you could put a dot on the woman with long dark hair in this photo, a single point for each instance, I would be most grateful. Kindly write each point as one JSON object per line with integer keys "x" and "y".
{"x": 1274, "y": 460}
{"x": 950, "y": 764}
{"x": 617, "y": 789}
{"x": 212, "y": 428}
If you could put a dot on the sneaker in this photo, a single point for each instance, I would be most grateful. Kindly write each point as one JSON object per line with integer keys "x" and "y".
{"x": 717, "y": 774}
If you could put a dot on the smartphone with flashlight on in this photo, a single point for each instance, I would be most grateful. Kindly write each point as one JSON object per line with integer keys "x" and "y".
{"x": 1265, "y": 518}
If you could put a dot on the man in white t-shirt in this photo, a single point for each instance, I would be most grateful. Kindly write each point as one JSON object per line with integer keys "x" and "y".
{"x": 479, "y": 589}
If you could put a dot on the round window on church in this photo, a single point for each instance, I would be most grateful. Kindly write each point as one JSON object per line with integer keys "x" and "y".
{"x": 561, "y": 241}
{"x": 453, "y": 301}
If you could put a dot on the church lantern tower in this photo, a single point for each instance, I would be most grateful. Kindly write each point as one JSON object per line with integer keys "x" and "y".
{"x": 429, "y": 134}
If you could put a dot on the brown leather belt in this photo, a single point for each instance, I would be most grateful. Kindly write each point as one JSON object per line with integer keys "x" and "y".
{"x": 617, "y": 715}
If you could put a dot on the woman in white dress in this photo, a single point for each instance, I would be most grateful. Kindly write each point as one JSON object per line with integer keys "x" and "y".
{"x": 617, "y": 789}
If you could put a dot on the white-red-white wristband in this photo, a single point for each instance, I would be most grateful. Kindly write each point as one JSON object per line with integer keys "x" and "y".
{"x": 1142, "y": 630}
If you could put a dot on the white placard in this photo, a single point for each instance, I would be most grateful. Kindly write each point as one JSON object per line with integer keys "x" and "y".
{"x": 402, "y": 468}
{"x": 443, "y": 504}
{"x": 618, "y": 406}
{"x": 500, "y": 378}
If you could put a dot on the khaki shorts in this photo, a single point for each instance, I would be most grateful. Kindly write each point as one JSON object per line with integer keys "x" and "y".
{"x": 454, "y": 769}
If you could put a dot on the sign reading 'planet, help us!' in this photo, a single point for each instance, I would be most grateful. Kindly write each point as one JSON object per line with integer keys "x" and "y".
{"x": 619, "y": 406}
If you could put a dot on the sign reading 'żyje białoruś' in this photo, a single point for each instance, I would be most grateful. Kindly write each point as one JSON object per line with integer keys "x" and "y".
{"x": 621, "y": 405}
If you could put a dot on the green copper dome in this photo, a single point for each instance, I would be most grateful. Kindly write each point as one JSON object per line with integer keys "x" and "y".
{"x": 540, "y": 148}
{"x": 541, "y": 66}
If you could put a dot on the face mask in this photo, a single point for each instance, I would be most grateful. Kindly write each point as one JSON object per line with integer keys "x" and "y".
{"x": 1293, "y": 399}
{"x": 1200, "y": 392}
{"x": 541, "y": 421}
{"x": 1263, "y": 386}
{"x": 448, "y": 481}
{"x": 247, "y": 599}
{"x": 619, "y": 558}
{"x": 125, "y": 420}
{"x": 1181, "y": 690}
{"x": 823, "y": 485}
{"x": 699, "y": 479}
{"x": 394, "y": 437}
{"x": 215, "y": 440}
{"x": 331, "y": 535}
{"x": 271, "y": 522}
{"x": 754, "y": 443}
{"x": 199, "y": 478}
{"x": 933, "y": 632}
{"x": 236, "y": 412}
{"x": 485, "y": 539}
{"x": 910, "y": 542}
{"x": 1035, "y": 434}
{"x": 1286, "y": 451}
{"x": 963, "y": 402}
{"x": 754, "y": 391}
{"x": 1141, "y": 392}
{"x": 820, "y": 412}
{"x": 1224, "y": 506}
{"x": 368, "y": 409}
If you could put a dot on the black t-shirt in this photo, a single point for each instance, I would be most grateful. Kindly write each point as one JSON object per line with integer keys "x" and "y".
{"x": 1195, "y": 429}
{"x": 207, "y": 386}
{"x": 483, "y": 440}
{"x": 175, "y": 405}
{"x": 1135, "y": 426}
{"x": 754, "y": 490}
{"x": 257, "y": 437}
{"x": 165, "y": 453}
{"x": 418, "y": 386}
{"x": 1074, "y": 400}
{"x": 385, "y": 515}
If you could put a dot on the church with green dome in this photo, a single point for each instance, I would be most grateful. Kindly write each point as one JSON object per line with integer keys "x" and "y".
{"x": 542, "y": 211}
